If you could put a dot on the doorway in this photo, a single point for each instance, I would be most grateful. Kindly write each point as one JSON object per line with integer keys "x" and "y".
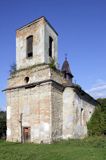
{"x": 26, "y": 134}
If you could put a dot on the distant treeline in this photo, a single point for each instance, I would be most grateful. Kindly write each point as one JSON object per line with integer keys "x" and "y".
{"x": 2, "y": 124}
{"x": 97, "y": 123}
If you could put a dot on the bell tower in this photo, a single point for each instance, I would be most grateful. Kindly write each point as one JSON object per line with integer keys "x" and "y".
{"x": 36, "y": 43}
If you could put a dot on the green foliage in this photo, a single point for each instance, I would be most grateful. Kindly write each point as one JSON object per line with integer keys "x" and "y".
{"x": 102, "y": 101}
{"x": 2, "y": 124}
{"x": 97, "y": 123}
{"x": 52, "y": 64}
{"x": 92, "y": 148}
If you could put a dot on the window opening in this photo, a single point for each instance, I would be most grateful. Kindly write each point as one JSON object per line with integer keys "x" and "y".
{"x": 26, "y": 79}
{"x": 50, "y": 46}
{"x": 29, "y": 46}
{"x": 82, "y": 109}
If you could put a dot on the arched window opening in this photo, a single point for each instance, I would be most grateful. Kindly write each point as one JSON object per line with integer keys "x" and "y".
{"x": 29, "y": 46}
{"x": 50, "y": 46}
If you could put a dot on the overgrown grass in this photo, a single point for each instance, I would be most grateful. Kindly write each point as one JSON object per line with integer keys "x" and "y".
{"x": 93, "y": 148}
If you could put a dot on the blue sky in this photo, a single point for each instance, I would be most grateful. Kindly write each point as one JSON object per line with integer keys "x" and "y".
{"x": 81, "y": 25}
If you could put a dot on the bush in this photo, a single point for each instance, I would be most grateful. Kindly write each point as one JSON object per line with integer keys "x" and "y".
{"x": 52, "y": 64}
{"x": 97, "y": 123}
{"x": 2, "y": 124}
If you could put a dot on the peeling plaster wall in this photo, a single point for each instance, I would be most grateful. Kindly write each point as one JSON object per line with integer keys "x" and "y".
{"x": 12, "y": 115}
{"x": 50, "y": 112}
{"x": 57, "y": 76}
{"x": 57, "y": 114}
{"x": 84, "y": 111}
{"x": 36, "y": 108}
{"x": 68, "y": 113}
{"x": 50, "y": 33}
{"x": 37, "y": 31}
{"x": 76, "y": 113}
{"x": 40, "y": 31}
{"x": 35, "y": 74}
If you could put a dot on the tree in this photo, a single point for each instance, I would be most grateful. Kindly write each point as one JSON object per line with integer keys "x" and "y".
{"x": 2, "y": 124}
{"x": 97, "y": 123}
{"x": 102, "y": 101}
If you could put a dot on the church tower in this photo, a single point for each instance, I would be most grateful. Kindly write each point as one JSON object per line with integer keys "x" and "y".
{"x": 36, "y": 43}
{"x": 34, "y": 92}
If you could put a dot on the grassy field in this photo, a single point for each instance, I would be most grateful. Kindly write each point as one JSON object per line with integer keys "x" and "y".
{"x": 87, "y": 149}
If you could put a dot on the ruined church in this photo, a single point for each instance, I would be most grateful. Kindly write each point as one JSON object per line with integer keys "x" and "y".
{"x": 43, "y": 103}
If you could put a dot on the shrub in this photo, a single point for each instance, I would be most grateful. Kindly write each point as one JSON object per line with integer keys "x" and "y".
{"x": 97, "y": 123}
{"x": 2, "y": 124}
{"x": 52, "y": 64}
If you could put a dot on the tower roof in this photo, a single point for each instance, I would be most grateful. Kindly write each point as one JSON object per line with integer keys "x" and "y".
{"x": 66, "y": 67}
{"x": 37, "y": 20}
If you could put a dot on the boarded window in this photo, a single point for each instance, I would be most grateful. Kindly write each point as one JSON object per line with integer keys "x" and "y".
{"x": 29, "y": 46}
{"x": 50, "y": 46}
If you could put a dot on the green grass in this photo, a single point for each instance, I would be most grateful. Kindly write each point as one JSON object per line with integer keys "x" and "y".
{"x": 93, "y": 148}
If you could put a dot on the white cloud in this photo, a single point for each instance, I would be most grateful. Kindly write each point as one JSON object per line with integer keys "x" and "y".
{"x": 98, "y": 90}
